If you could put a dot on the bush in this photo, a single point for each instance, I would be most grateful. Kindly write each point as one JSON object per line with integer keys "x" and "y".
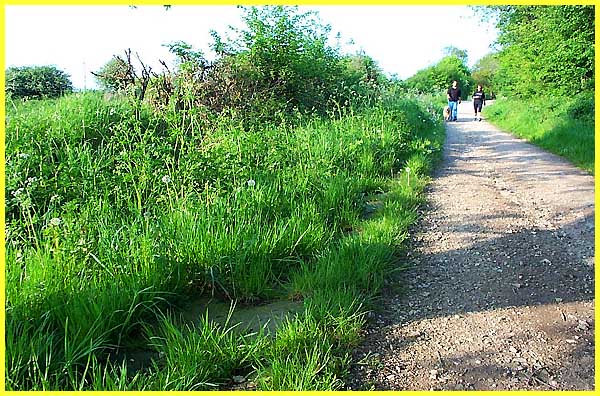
{"x": 37, "y": 82}
{"x": 439, "y": 77}
{"x": 279, "y": 67}
{"x": 582, "y": 107}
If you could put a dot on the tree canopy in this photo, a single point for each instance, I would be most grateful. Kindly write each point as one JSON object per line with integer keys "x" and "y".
{"x": 37, "y": 82}
{"x": 439, "y": 76}
{"x": 544, "y": 49}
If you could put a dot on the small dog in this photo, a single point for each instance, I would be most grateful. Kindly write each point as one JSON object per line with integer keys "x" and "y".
{"x": 447, "y": 113}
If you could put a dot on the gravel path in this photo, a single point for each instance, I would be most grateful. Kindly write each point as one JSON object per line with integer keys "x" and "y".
{"x": 500, "y": 294}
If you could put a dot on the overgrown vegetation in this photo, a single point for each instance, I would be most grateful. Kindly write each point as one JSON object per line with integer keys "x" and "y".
{"x": 278, "y": 66}
{"x": 109, "y": 219}
{"x": 119, "y": 209}
{"x": 545, "y": 73}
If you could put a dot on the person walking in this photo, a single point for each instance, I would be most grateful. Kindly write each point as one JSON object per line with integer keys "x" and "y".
{"x": 478, "y": 102}
{"x": 454, "y": 99}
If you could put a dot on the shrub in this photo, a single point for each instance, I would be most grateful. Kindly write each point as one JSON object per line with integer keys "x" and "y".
{"x": 37, "y": 82}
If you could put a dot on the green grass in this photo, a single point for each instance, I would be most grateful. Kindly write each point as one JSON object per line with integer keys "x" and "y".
{"x": 563, "y": 126}
{"x": 116, "y": 214}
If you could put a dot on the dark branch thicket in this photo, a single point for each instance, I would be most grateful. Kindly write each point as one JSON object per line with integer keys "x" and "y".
{"x": 279, "y": 66}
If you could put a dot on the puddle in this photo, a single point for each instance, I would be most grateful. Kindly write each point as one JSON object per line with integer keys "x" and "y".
{"x": 371, "y": 208}
{"x": 247, "y": 317}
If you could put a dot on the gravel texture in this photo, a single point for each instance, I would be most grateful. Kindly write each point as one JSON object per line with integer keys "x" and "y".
{"x": 499, "y": 294}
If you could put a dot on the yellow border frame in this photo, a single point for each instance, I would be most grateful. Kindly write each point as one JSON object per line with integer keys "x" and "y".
{"x": 323, "y": 2}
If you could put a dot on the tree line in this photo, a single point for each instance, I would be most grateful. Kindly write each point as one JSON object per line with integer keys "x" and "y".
{"x": 280, "y": 64}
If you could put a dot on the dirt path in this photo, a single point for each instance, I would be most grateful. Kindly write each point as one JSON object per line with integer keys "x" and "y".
{"x": 501, "y": 295}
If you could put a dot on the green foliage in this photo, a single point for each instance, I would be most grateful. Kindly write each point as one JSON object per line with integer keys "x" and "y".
{"x": 439, "y": 77}
{"x": 456, "y": 52}
{"x": 485, "y": 73}
{"x": 198, "y": 357}
{"x": 36, "y": 82}
{"x": 545, "y": 67}
{"x": 278, "y": 67}
{"x": 114, "y": 212}
{"x": 229, "y": 186}
{"x": 285, "y": 55}
{"x": 545, "y": 49}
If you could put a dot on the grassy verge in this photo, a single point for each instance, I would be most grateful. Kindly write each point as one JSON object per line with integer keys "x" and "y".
{"x": 563, "y": 126}
{"x": 115, "y": 214}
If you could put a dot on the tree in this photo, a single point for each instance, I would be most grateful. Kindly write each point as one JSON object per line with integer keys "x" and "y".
{"x": 485, "y": 71}
{"x": 37, "y": 82}
{"x": 116, "y": 75}
{"x": 457, "y": 52}
{"x": 439, "y": 77}
{"x": 545, "y": 49}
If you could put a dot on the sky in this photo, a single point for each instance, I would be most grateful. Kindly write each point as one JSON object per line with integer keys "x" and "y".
{"x": 79, "y": 39}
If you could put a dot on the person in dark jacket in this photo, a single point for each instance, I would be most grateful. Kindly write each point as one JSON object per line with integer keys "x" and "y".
{"x": 478, "y": 102}
{"x": 454, "y": 99}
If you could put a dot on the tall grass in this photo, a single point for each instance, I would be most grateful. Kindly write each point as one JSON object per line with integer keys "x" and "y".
{"x": 115, "y": 214}
{"x": 563, "y": 126}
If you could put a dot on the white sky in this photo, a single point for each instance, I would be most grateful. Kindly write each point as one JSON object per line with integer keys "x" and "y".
{"x": 80, "y": 39}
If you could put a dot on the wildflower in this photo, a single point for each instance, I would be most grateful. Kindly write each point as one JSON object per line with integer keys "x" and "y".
{"x": 407, "y": 169}
{"x": 166, "y": 179}
{"x": 18, "y": 192}
{"x": 23, "y": 155}
{"x": 55, "y": 221}
{"x": 31, "y": 180}
{"x": 251, "y": 183}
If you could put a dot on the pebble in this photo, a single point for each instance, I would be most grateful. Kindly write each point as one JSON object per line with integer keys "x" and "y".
{"x": 583, "y": 325}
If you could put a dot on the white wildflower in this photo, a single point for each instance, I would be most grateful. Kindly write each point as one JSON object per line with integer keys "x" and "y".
{"x": 166, "y": 179}
{"x": 251, "y": 183}
{"x": 23, "y": 155}
{"x": 55, "y": 221}
{"x": 18, "y": 192}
